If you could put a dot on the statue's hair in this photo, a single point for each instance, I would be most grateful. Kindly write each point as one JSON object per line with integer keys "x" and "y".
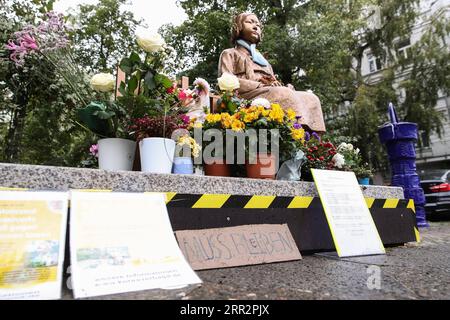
{"x": 238, "y": 26}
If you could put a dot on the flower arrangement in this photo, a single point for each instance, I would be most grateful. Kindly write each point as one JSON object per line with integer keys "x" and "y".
{"x": 97, "y": 111}
{"x": 351, "y": 160}
{"x": 49, "y": 40}
{"x": 292, "y": 134}
{"x": 187, "y": 142}
{"x": 229, "y": 100}
{"x": 319, "y": 154}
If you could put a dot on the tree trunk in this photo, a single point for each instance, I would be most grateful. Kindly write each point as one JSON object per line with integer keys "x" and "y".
{"x": 15, "y": 132}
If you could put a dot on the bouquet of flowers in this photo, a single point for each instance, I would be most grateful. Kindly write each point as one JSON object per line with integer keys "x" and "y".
{"x": 353, "y": 161}
{"x": 229, "y": 100}
{"x": 186, "y": 145}
{"x": 319, "y": 155}
{"x": 263, "y": 115}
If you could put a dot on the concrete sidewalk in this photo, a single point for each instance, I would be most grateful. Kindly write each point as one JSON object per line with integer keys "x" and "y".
{"x": 413, "y": 271}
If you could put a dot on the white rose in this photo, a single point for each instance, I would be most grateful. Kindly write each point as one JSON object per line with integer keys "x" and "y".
{"x": 357, "y": 151}
{"x": 228, "y": 82}
{"x": 349, "y": 147}
{"x": 151, "y": 42}
{"x": 103, "y": 82}
{"x": 342, "y": 146}
{"x": 338, "y": 160}
{"x": 261, "y": 102}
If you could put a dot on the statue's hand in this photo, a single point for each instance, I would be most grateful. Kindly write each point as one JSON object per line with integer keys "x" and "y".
{"x": 290, "y": 86}
{"x": 276, "y": 84}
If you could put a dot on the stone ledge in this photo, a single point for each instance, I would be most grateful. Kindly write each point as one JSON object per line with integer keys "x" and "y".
{"x": 64, "y": 178}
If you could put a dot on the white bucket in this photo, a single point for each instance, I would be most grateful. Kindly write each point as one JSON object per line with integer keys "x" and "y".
{"x": 157, "y": 155}
{"x": 116, "y": 154}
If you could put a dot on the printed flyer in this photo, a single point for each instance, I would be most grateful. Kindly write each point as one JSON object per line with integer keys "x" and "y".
{"x": 122, "y": 242}
{"x": 351, "y": 224}
{"x": 32, "y": 241}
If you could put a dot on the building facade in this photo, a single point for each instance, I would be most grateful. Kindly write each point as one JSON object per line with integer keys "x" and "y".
{"x": 432, "y": 152}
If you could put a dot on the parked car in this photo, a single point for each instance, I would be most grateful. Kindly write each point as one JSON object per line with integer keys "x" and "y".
{"x": 436, "y": 185}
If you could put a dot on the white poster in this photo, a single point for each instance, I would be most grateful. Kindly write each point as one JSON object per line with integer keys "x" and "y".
{"x": 32, "y": 242}
{"x": 123, "y": 242}
{"x": 352, "y": 227}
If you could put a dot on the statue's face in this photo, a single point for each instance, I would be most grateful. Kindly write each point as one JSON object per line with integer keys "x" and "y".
{"x": 251, "y": 31}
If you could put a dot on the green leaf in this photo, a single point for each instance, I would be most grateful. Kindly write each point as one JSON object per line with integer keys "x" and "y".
{"x": 122, "y": 89}
{"x": 134, "y": 58}
{"x": 164, "y": 81}
{"x": 104, "y": 115}
{"x": 150, "y": 80}
{"x": 126, "y": 65}
{"x": 89, "y": 118}
{"x": 132, "y": 84}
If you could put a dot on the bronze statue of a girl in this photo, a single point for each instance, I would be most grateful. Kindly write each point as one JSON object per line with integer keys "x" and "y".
{"x": 257, "y": 79}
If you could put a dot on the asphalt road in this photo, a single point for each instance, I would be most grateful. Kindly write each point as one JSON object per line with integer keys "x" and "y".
{"x": 414, "y": 271}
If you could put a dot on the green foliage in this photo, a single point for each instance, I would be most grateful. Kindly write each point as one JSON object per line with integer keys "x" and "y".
{"x": 320, "y": 45}
{"x": 104, "y": 34}
{"x": 37, "y": 107}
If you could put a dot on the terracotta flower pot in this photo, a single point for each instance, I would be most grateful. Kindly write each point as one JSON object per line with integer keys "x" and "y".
{"x": 219, "y": 169}
{"x": 264, "y": 168}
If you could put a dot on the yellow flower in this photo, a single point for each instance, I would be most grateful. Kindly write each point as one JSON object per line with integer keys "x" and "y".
{"x": 213, "y": 117}
{"x": 276, "y": 113}
{"x": 250, "y": 117}
{"x": 266, "y": 113}
{"x": 291, "y": 114}
{"x": 191, "y": 143}
{"x": 237, "y": 125}
{"x": 226, "y": 120}
{"x": 298, "y": 134}
{"x": 197, "y": 125}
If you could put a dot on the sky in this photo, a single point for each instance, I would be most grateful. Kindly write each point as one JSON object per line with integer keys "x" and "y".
{"x": 155, "y": 13}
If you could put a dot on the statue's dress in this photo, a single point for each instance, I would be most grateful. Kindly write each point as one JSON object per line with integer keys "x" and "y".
{"x": 238, "y": 61}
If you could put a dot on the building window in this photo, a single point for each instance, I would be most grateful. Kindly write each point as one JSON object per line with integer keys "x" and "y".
{"x": 404, "y": 49}
{"x": 424, "y": 140}
{"x": 374, "y": 63}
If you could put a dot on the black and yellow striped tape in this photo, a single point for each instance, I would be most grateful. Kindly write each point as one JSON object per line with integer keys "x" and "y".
{"x": 217, "y": 201}
{"x": 222, "y": 201}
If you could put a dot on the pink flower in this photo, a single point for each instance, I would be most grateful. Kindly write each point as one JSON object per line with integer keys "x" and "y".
{"x": 202, "y": 86}
{"x": 29, "y": 42}
{"x": 186, "y": 119}
{"x": 94, "y": 150}
{"x": 172, "y": 88}
{"x": 182, "y": 95}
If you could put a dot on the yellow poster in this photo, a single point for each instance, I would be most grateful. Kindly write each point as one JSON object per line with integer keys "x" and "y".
{"x": 32, "y": 239}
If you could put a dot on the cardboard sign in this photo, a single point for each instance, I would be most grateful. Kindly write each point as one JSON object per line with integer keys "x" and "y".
{"x": 32, "y": 242}
{"x": 237, "y": 246}
{"x": 352, "y": 227}
{"x": 122, "y": 242}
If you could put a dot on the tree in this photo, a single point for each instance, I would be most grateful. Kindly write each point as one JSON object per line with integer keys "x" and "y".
{"x": 104, "y": 34}
{"x": 36, "y": 106}
{"x": 320, "y": 45}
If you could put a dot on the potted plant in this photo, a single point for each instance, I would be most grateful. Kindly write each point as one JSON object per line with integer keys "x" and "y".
{"x": 319, "y": 154}
{"x": 157, "y": 105}
{"x": 262, "y": 116}
{"x": 108, "y": 119}
{"x": 157, "y": 149}
{"x": 354, "y": 162}
{"x": 186, "y": 149}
